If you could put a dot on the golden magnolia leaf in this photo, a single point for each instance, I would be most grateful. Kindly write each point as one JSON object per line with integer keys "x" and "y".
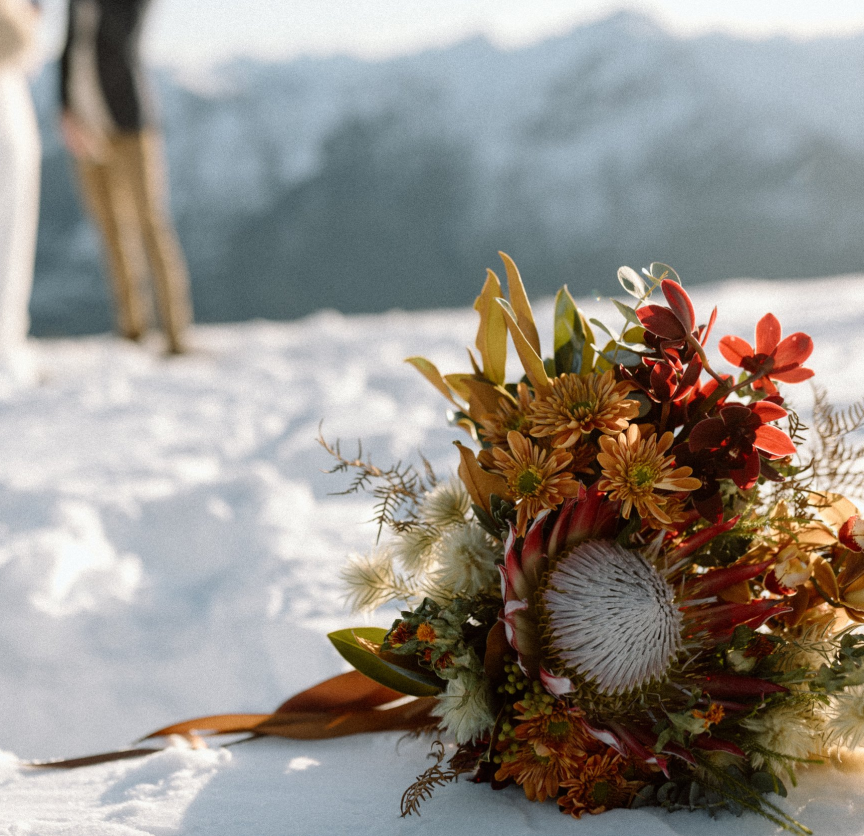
{"x": 833, "y": 508}
{"x": 824, "y": 575}
{"x": 324, "y": 725}
{"x": 479, "y": 483}
{"x": 530, "y": 359}
{"x": 351, "y": 691}
{"x": 491, "y": 339}
{"x": 456, "y": 382}
{"x": 483, "y": 397}
{"x": 214, "y": 724}
{"x": 431, "y": 373}
{"x": 521, "y": 305}
{"x": 738, "y": 593}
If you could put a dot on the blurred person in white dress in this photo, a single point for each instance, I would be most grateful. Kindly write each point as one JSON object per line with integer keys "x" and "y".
{"x": 20, "y": 156}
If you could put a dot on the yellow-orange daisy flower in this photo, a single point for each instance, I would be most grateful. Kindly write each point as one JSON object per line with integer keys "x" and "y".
{"x": 537, "y": 769}
{"x": 635, "y": 468}
{"x": 580, "y": 403}
{"x": 537, "y": 479}
{"x": 714, "y": 714}
{"x": 494, "y": 426}
{"x": 598, "y": 785}
{"x": 551, "y": 727}
{"x": 426, "y": 633}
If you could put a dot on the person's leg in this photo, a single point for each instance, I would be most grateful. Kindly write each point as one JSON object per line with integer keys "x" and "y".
{"x": 143, "y": 165}
{"x": 111, "y": 206}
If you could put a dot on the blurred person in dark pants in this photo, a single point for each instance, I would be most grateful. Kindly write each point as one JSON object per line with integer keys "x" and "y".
{"x": 109, "y": 129}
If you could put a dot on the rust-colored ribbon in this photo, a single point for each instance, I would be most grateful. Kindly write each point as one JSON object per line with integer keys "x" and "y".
{"x": 346, "y": 704}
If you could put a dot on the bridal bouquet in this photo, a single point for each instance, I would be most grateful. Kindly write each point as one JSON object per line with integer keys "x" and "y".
{"x": 636, "y": 591}
{"x": 642, "y": 588}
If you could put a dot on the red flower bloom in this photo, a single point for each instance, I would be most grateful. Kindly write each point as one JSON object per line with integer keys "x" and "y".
{"x": 776, "y": 359}
{"x": 675, "y": 323}
{"x": 739, "y": 435}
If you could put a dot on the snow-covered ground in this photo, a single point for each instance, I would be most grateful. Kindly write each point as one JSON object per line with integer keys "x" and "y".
{"x": 169, "y": 548}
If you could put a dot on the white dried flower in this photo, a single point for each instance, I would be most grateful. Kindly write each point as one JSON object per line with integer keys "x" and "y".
{"x": 466, "y": 562}
{"x": 846, "y": 724}
{"x": 372, "y": 581}
{"x": 612, "y": 617}
{"x": 464, "y": 708}
{"x": 446, "y": 504}
{"x": 792, "y": 730}
{"x": 414, "y": 548}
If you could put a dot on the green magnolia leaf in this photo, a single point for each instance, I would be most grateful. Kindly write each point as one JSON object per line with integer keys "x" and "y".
{"x": 627, "y": 312}
{"x": 602, "y": 327}
{"x": 632, "y": 282}
{"x": 573, "y": 337}
{"x": 615, "y": 353}
{"x": 414, "y": 683}
{"x": 660, "y": 271}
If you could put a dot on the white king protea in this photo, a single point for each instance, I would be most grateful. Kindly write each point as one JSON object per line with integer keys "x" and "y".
{"x": 612, "y": 618}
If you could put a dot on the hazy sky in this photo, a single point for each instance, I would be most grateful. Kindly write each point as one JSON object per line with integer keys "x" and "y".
{"x": 194, "y": 32}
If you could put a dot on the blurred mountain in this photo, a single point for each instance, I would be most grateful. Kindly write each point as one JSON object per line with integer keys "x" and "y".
{"x": 364, "y": 186}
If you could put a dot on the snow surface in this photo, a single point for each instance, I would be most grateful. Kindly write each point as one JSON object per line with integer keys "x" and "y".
{"x": 169, "y": 548}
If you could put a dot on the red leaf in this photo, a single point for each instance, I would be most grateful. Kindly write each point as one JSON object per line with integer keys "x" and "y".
{"x": 700, "y": 538}
{"x": 662, "y": 322}
{"x": 715, "y": 744}
{"x": 734, "y": 349}
{"x": 732, "y": 685}
{"x": 709, "y": 432}
{"x": 774, "y": 441}
{"x": 705, "y": 330}
{"x": 793, "y": 351}
{"x": 722, "y": 617}
{"x": 718, "y": 579}
{"x": 795, "y": 375}
{"x": 767, "y": 334}
{"x": 680, "y": 304}
{"x": 663, "y": 380}
{"x": 768, "y": 411}
{"x": 747, "y": 476}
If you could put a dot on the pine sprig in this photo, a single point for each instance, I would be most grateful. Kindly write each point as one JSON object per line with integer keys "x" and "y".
{"x": 422, "y": 788}
{"x": 837, "y": 455}
{"x": 397, "y": 489}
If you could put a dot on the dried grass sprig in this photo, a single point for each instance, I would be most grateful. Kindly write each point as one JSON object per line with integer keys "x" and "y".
{"x": 397, "y": 489}
{"x": 372, "y": 582}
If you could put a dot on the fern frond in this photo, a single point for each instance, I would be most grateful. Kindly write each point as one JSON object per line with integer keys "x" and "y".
{"x": 435, "y": 776}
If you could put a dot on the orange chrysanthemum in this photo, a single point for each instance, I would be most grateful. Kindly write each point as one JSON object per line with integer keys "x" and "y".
{"x": 580, "y": 403}
{"x": 596, "y": 787}
{"x": 583, "y": 457}
{"x": 538, "y": 769}
{"x": 494, "y": 426}
{"x": 426, "y": 633}
{"x": 537, "y": 479}
{"x": 635, "y": 468}
{"x": 558, "y": 730}
{"x": 714, "y": 714}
